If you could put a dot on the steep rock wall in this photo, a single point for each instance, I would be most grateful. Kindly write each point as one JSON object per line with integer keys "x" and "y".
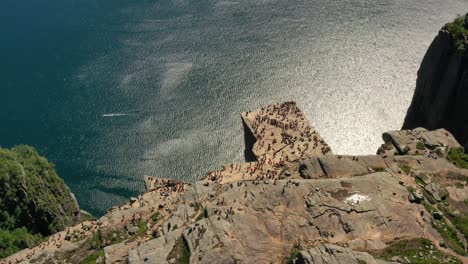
{"x": 441, "y": 96}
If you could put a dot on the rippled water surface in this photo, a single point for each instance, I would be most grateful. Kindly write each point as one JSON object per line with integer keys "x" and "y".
{"x": 111, "y": 90}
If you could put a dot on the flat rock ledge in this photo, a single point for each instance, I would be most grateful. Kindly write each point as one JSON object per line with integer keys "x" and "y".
{"x": 293, "y": 201}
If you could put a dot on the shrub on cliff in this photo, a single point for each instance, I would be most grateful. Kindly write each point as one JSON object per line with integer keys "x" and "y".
{"x": 33, "y": 199}
{"x": 458, "y": 157}
{"x": 459, "y": 31}
{"x": 12, "y": 241}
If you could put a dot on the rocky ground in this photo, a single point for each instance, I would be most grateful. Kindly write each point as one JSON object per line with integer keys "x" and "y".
{"x": 292, "y": 202}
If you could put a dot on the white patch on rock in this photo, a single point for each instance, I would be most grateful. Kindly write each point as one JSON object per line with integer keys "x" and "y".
{"x": 356, "y": 198}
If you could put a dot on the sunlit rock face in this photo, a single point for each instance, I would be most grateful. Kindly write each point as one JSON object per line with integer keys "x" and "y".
{"x": 295, "y": 202}
{"x": 442, "y": 85}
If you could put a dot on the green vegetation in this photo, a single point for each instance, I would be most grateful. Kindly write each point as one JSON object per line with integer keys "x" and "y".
{"x": 446, "y": 231}
{"x": 418, "y": 251}
{"x": 410, "y": 189}
{"x": 295, "y": 254}
{"x": 84, "y": 216}
{"x": 405, "y": 168}
{"x": 12, "y": 241}
{"x": 155, "y": 217}
{"x": 142, "y": 227}
{"x": 420, "y": 146}
{"x": 459, "y": 30}
{"x": 459, "y": 220}
{"x": 419, "y": 181}
{"x": 429, "y": 198}
{"x": 34, "y": 201}
{"x": 91, "y": 259}
{"x": 458, "y": 157}
{"x": 119, "y": 237}
{"x": 450, "y": 236}
{"x": 180, "y": 252}
{"x": 96, "y": 241}
{"x": 461, "y": 223}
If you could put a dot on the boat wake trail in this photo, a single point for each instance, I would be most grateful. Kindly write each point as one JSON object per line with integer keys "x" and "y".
{"x": 115, "y": 115}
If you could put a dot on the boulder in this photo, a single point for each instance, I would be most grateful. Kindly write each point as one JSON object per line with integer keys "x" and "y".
{"x": 419, "y": 141}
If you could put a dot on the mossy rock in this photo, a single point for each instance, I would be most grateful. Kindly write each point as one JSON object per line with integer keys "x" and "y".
{"x": 33, "y": 198}
{"x": 458, "y": 157}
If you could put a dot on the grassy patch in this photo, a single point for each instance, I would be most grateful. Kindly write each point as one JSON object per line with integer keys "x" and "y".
{"x": 418, "y": 251}
{"x": 460, "y": 221}
{"x": 180, "y": 252}
{"x": 405, "y": 168}
{"x": 458, "y": 157}
{"x": 410, "y": 189}
{"x": 420, "y": 146}
{"x": 91, "y": 259}
{"x": 155, "y": 217}
{"x": 142, "y": 226}
{"x": 96, "y": 241}
{"x": 450, "y": 236}
{"x": 429, "y": 197}
{"x": 458, "y": 31}
{"x": 419, "y": 181}
{"x": 120, "y": 237}
{"x": 447, "y": 232}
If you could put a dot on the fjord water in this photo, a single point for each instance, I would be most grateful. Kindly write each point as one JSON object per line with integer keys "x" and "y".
{"x": 111, "y": 90}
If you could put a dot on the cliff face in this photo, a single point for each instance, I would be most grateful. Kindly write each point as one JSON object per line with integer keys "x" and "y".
{"x": 34, "y": 201}
{"x": 296, "y": 202}
{"x": 440, "y": 98}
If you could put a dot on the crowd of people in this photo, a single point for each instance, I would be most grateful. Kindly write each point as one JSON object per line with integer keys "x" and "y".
{"x": 164, "y": 186}
{"x": 282, "y": 136}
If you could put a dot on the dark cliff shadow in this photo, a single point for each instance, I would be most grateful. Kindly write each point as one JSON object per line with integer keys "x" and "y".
{"x": 249, "y": 141}
{"x": 440, "y": 99}
{"x": 429, "y": 79}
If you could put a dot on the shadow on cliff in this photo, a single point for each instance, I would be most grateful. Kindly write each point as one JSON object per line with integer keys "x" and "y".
{"x": 441, "y": 96}
{"x": 249, "y": 141}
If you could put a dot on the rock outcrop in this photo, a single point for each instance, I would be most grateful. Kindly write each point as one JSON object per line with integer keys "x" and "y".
{"x": 439, "y": 100}
{"x": 33, "y": 196}
{"x": 293, "y": 202}
{"x": 34, "y": 201}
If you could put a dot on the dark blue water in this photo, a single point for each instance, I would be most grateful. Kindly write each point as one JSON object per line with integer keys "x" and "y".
{"x": 111, "y": 90}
